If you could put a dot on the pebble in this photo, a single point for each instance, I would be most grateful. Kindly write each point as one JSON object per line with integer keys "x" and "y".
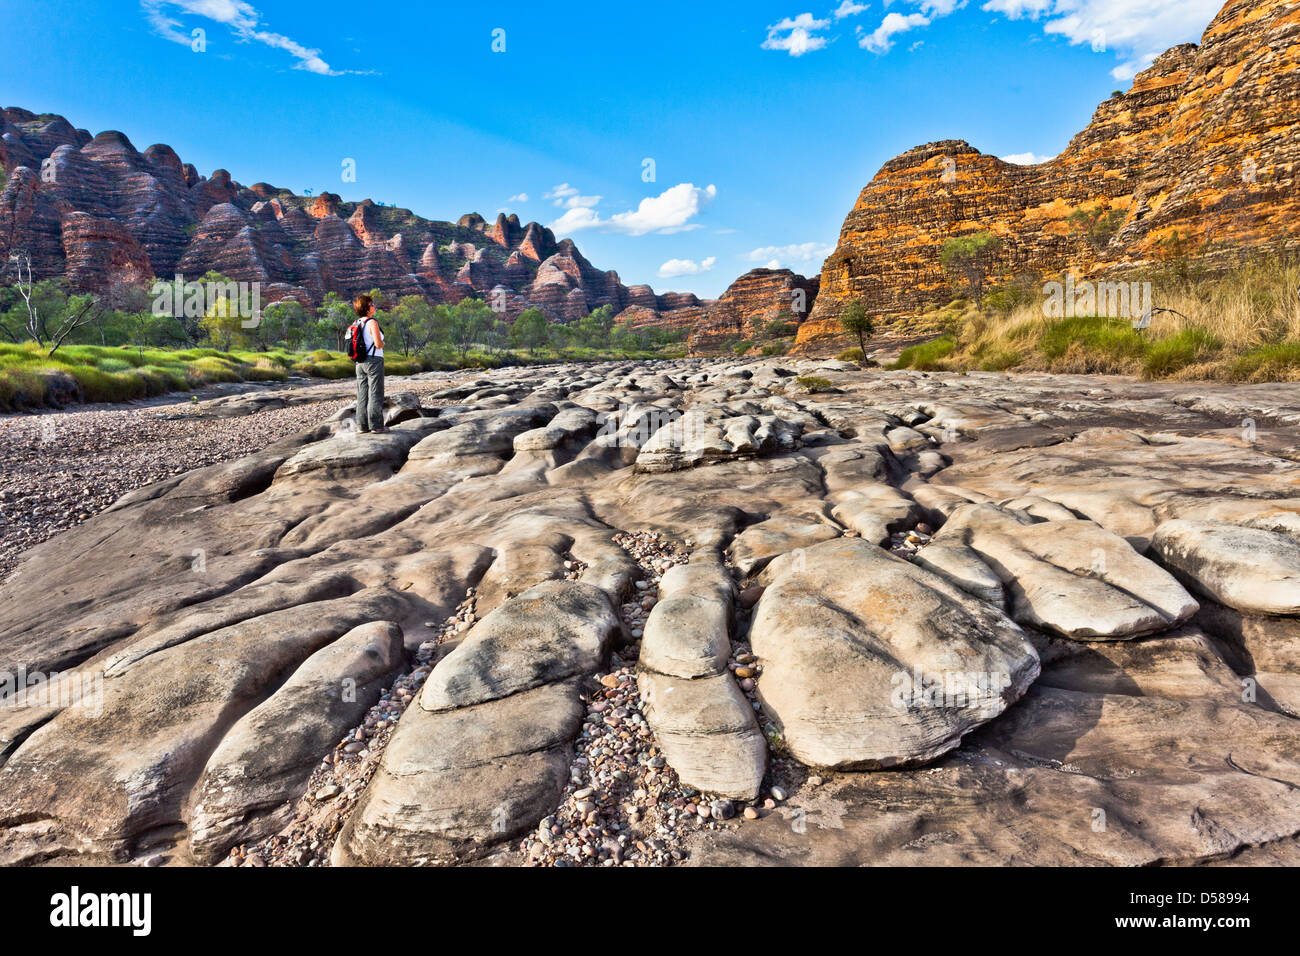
{"x": 624, "y": 805}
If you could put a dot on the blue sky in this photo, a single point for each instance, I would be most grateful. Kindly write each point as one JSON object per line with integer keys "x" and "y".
{"x": 763, "y": 120}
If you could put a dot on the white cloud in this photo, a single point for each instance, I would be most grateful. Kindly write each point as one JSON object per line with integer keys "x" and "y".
{"x": 1136, "y": 32}
{"x": 1026, "y": 159}
{"x": 772, "y": 264}
{"x": 796, "y": 36}
{"x": 801, "y": 252}
{"x": 565, "y": 196}
{"x": 575, "y": 220}
{"x": 667, "y": 213}
{"x": 518, "y": 197}
{"x": 241, "y": 18}
{"x": 686, "y": 267}
{"x": 881, "y": 40}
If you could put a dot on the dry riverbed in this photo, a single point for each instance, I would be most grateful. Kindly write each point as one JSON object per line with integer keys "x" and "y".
{"x": 57, "y": 469}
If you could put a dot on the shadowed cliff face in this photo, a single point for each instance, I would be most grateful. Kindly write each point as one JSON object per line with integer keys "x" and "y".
{"x": 1204, "y": 145}
{"x": 98, "y": 211}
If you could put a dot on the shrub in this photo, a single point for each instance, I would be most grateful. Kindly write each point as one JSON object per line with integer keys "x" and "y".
{"x": 850, "y": 355}
{"x": 811, "y": 383}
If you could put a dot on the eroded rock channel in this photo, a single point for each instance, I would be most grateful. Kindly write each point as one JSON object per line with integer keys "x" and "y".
{"x": 639, "y": 614}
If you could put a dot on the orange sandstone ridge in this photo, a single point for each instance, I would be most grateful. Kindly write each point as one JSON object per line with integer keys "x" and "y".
{"x": 1204, "y": 146}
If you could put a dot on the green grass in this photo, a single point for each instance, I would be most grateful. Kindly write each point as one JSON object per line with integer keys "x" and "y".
{"x": 1001, "y": 360}
{"x": 1268, "y": 363}
{"x": 1175, "y": 353}
{"x": 927, "y": 356}
{"x": 1111, "y": 341}
{"x": 1107, "y": 346}
{"x": 29, "y": 378}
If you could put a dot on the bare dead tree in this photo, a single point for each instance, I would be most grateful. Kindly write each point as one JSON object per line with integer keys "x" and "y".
{"x": 88, "y": 312}
{"x": 36, "y": 326}
{"x": 20, "y": 262}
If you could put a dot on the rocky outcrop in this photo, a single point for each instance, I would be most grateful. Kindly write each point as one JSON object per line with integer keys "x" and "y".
{"x": 98, "y": 211}
{"x": 692, "y": 703}
{"x": 751, "y": 305}
{"x": 854, "y": 684}
{"x": 1203, "y": 146}
{"x": 1251, "y": 569}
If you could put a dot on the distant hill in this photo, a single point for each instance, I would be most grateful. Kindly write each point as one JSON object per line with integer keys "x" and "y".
{"x": 97, "y": 210}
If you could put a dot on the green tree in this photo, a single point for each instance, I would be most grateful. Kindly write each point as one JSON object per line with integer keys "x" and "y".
{"x": 282, "y": 322}
{"x": 855, "y": 321}
{"x": 529, "y": 330}
{"x": 470, "y": 320}
{"x": 416, "y": 324}
{"x": 333, "y": 317}
{"x": 561, "y": 336}
{"x": 969, "y": 260}
{"x": 223, "y": 324}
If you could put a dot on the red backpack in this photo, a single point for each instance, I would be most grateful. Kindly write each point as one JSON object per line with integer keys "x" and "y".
{"x": 356, "y": 341}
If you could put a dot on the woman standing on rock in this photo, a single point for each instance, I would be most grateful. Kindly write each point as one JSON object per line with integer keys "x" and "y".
{"x": 370, "y": 368}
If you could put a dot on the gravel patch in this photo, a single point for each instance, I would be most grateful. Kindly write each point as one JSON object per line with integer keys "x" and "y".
{"x": 57, "y": 469}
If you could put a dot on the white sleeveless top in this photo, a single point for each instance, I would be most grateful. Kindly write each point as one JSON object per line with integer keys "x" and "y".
{"x": 369, "y": 338}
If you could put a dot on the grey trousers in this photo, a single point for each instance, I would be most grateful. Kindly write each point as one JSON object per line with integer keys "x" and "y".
{"x": 370, "y": 393}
